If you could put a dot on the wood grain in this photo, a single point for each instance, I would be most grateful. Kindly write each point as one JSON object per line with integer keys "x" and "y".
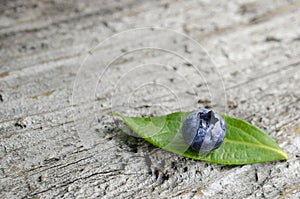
{"x": 57, "y": 138}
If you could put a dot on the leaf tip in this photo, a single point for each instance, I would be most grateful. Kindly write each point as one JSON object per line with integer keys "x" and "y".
{"x": 114, "y": 114}
{"x": 285, "y": 156}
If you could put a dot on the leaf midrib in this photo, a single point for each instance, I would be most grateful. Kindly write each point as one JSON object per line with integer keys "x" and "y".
{"x": 257, "y": 145}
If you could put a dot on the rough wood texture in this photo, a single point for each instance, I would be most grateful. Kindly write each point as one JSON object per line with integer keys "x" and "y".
{"x": 56, "y": 138}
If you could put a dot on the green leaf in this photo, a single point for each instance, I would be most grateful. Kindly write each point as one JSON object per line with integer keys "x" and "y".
{"x": 243, "y": 144}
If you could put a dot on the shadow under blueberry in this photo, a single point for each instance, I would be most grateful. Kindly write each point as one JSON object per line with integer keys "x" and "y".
{"x": 126, "y": 140}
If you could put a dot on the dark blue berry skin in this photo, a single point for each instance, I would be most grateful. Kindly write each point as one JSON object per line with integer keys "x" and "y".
{"x": 204, "y": 130}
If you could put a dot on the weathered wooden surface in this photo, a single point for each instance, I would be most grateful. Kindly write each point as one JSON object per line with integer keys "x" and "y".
{"x": 56, "y": 138}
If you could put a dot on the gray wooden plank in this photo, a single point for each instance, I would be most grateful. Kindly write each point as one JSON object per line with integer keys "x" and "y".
{"x": 255, "y": 47}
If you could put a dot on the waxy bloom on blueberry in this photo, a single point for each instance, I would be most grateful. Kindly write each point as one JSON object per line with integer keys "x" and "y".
{"x": 204, "y": 130}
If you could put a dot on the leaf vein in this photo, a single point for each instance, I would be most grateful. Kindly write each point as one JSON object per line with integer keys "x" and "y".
{"x": 257, "y": 145}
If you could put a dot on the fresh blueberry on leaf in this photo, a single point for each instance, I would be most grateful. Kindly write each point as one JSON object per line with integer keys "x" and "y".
{"x": 204, "y": 130}
{"x": 195, "y": 134}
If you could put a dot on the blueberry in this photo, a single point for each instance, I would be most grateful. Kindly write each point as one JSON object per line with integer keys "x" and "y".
{"x": 204, "y": 130}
